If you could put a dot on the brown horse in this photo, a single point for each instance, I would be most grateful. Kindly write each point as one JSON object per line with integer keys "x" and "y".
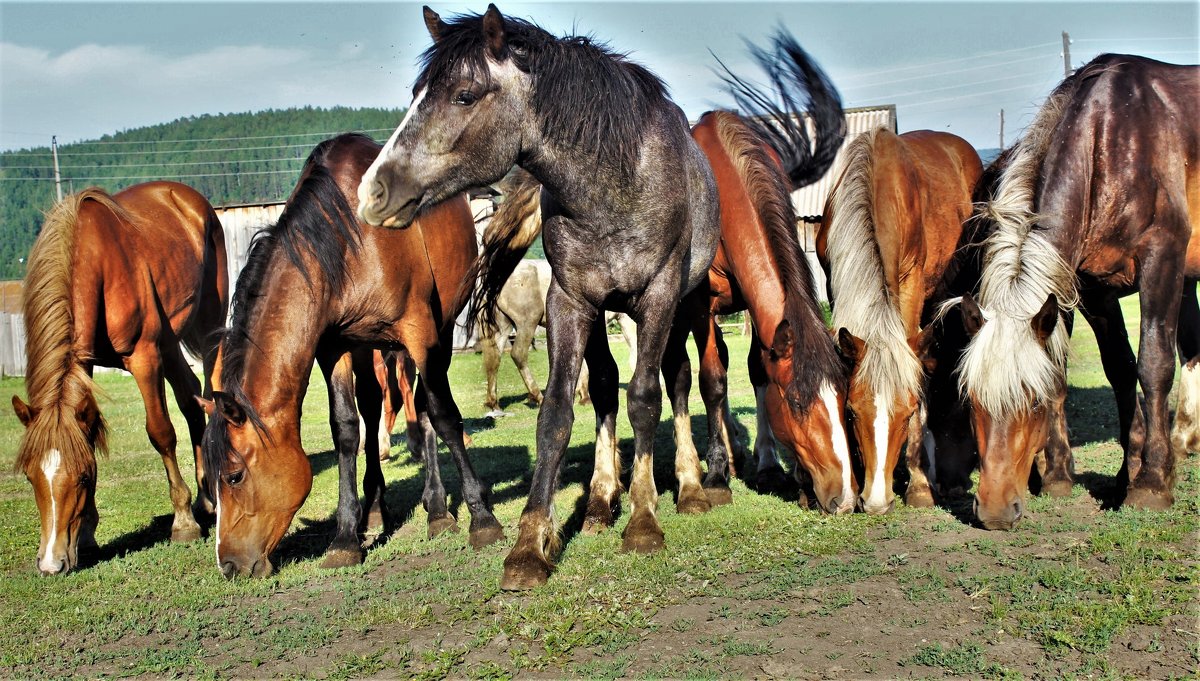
{"x": 117, "y": 281}
{"x": 1097, "y": 200}
{"x": 316, "y": 284}
{"x": 889, "y": 230}
{"x": 760, "y": 267}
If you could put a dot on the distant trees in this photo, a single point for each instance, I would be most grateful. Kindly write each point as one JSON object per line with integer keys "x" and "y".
{"x": 230, "y": 158}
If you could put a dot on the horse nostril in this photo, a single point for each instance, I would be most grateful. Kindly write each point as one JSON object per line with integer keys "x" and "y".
{"x": 378, "y": 192}
{"x": 1017, "y": 511}
{"x": 229, "y": 569}
{"x": 835, "y": 504}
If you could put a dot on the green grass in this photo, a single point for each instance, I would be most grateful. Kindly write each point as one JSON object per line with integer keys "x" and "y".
{"x": 760, "y": 582}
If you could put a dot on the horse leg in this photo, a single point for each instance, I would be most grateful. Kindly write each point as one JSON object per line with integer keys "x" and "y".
{"x": 369, "y": 395}
{"x": 384, "y": 368}
{"x": 493, "y": 342}
{"x": 337, "y": 367}
{"x": 714, "y": 358}
{"x": 1102, "y": 310}
{"x": 1185, "y": 433}
{"x": 433, "y": 498}
{"x": 919, "y": 493}
{"x": 406, "y": 378}
{"x": 629, "y": 333}
{"x": 520, "y": 356}
{"x": 186, "y": 387}
{"x": 146, "y": 366}
{"x": 1150, "y": 462}
{"x": 769, "y": 478}
{"x": 528, "y": 564}
{"x": 603, "y": 386}
{"x": 447, "y": 421}
{"x": 677, "y": 373}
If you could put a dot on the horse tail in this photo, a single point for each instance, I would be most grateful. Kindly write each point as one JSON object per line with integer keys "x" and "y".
{"x": 800, "y": 85}
{"x": 516, "y": 224}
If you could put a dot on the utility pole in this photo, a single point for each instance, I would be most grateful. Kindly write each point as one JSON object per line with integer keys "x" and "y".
{"x": 57, "y": 177}
{"x": 1067, "y": 70}
{"x": 1001, "y": 129}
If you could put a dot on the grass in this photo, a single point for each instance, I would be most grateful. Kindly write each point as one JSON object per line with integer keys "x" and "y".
{"x": 758, "y": 585}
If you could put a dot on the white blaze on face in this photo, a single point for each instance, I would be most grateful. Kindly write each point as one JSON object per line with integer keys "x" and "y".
{"x": 841, "y": 445}
{"x": 877, "y": 496}
{"x": 217, "y": 532}
{"x": 368, "y": 177}
{"x": 50, "y": 468}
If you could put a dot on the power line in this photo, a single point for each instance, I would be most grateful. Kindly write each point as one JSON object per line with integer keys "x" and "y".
{"x": 186, "y": 151}
{"x": 225, "y": 139}
{"x": 954, "y": 87}
{"x": 286, "y": 159}
{"x": 951, "y": 61}
{"x": 151, "y": 177}
{"x": 948, "y": 73}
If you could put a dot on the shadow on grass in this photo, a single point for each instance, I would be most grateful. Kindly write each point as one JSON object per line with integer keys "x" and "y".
{"x": 156, "y": 532}
{"x": 1092, "y": 416}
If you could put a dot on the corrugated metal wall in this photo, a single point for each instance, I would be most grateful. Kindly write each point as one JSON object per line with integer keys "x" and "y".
{"x": 240, "y": 223}
{"x": 809, "y": 202}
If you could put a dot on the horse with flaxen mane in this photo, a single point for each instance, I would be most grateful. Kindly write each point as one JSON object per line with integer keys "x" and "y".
{"x": 1097, "y": 200}
{"x": 315, "y": 285}
{"x": 889, "y": 231}
{"x": 629, "y": 210}
{"x": 117, "y": 281}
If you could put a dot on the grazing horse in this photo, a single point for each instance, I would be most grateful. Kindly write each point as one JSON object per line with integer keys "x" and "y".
{"x": 799, "y": 379}
{"x": 630, "y": 222}
{"x": 888, "y": 233}
{"x": 117, "y": 281}
{"x": 314, "y": 285}
{"x": 1097, "y": 200}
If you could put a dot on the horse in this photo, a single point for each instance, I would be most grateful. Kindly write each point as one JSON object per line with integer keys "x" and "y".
{"x": 1096, "y": 200}
{"x": 116, "y": 281}
{"x": 316, "y": 284}
{"x": 798, "y": 377}
{"x": 630, "y": 222}
{"x": 890, "y": 227}
{"x": 521, "y": 309}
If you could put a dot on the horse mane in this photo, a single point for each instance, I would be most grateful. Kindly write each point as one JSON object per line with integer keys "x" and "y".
{"x": 317, "y": 221}
{"x": 1020, "y": 269}
{"x": 770, "y": 194}
{"x": 55, "y": 380}
{"x": 585, "y": 95}
{"x": 863, "y": 303}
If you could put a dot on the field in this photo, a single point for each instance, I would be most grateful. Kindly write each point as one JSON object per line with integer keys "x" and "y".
{"x": 761, "y": 588}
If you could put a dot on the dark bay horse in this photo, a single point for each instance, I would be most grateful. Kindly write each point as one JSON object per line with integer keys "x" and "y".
{"x": 1097, "y": 200}
{"x": 629, "y": 210}
{"x": 889, "y": 230}
{"x": 117, "y": 281}
{"x": 759, "y": 265}
{"x": 315, "y": 285}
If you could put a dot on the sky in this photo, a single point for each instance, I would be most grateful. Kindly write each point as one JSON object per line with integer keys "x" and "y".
{"x": 82, "y": 70}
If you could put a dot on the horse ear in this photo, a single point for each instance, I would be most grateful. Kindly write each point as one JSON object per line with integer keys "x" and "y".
{"x": 922, "y": 346}
{"x": 852, "y": 347}
{"x": 433, "y": 23}
{"x": 207, "y": 405}
{"x": 493, "y": 32}
{"x": 87, "y": 414}
{"x": 972, "y": 316}
{"x": 785, "y": 338}
{"x": 25, "y": 413}
{"x": 1043, "y": 322}
{"x": 229, "y": 408}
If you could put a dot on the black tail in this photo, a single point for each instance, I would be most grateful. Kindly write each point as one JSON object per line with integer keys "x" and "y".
{"x": 801, "y": 87}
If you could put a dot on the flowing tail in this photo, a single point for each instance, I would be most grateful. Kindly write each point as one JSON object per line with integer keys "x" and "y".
{"x": 516, "y": 224}
{"x": 799, "y": 85}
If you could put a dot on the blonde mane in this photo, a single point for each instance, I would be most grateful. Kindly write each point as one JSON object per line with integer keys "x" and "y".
{"x": 55, "y": 380}
{"x": 1004, "y": 365}
{"x": 863, "y": 303}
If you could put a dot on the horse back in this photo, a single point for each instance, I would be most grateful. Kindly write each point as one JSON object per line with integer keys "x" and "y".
{"x": 141, "y": 270}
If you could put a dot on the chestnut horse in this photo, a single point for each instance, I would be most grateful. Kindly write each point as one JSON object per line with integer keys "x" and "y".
{"x": 889, "y": 230}
{"x": 1097, "y": 200}
{"x": 628, "y": 205}
{"x": 316, "y": 284}
{"x": 117, "y": 281}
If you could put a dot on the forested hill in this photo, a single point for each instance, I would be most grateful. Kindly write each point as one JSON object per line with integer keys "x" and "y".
{"x": 230, "y": 158}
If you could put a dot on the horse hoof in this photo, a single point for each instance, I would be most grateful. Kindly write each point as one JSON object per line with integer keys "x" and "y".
{"x": 340, "y": 558}
{"x": 442, "y": 525}
{"x": 599, "y": 517}
{"x": 771, "y": 481}
{"x": 1057, "y": 488}
{"x": 642, "y": 536}
{"x": 1148, "y": 500}
{"x": 486, "y": 535}
{"x": 718, "y": 496}
{"x": 375, "y": 520}
{"x": 692, "y": 503}
{"x": 185, "y": 534}
{"x": 525, "y": 571}
{"x": 920, "y": 497}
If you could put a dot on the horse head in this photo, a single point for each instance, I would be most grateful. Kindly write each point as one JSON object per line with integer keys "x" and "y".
{"x": 464, "y": 126}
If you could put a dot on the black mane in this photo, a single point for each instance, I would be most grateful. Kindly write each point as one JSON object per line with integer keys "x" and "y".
{"x": 585, "y": 95}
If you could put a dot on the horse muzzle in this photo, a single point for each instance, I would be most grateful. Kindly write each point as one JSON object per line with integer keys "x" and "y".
{"x": 235, "y": 567}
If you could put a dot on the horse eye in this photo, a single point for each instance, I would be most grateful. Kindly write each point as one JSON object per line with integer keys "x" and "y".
{"x": 465, "y": 98}
{"x": 235, "y": 478}
{"x": 84, "y": 480}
